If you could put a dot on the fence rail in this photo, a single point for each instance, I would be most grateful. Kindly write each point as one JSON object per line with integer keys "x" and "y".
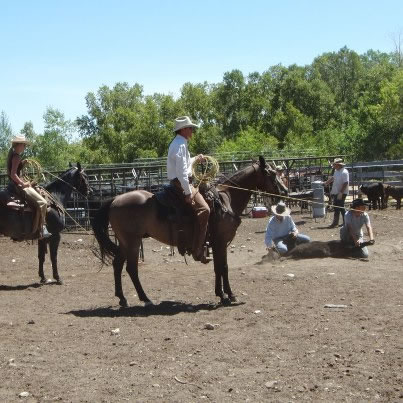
{"x": 299, "y": 172}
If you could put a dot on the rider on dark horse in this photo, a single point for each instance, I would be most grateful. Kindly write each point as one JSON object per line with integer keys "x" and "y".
{"x": 179, "y": 170}
{"x": 24, "y": 189}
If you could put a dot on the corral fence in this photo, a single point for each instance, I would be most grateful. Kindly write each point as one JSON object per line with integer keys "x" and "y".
{"x": 150, "y": 174}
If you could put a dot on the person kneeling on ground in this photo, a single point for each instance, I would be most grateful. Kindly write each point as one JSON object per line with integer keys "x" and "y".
{"x": 351, "y": 233}
{"x": 282, "y": 233}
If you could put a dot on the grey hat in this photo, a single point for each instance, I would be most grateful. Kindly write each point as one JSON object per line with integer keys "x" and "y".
{"x": 281, "y": 209}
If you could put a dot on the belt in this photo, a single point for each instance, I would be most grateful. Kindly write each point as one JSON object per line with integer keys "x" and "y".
{"x": 176, "y": 181}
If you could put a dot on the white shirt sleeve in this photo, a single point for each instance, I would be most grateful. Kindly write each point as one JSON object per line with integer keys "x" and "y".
{"x": 182, "y": 168}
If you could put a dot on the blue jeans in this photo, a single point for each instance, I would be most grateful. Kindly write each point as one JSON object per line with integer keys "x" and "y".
{"x": 339, "y": 209}
{"x": 283, "y": 244}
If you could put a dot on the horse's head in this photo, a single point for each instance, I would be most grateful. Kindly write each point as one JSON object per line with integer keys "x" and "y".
{"x": 79, "y": 180}
{"x": 269, "y": 181}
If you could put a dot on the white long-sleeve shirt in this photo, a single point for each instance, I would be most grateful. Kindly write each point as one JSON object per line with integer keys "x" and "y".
{"x": 179, "y": 163}
{"x": 278, "y": 229}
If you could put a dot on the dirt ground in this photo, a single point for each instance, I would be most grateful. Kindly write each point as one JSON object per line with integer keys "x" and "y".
{"x": 281, "y": 343}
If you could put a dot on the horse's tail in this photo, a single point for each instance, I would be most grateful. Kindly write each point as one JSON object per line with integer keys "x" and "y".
{"x": 100, "y": 224}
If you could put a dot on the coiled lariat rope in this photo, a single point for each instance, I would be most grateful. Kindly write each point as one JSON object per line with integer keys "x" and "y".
{"x": 204, "y": 170}
{"x": 31, "y": 170}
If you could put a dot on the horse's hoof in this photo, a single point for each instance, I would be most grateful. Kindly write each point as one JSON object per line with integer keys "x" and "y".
{"x": 59, "y": 281}
{"x": 123, "y": 303}
{"x": 225, "y": 301}
{"x": 43, "y": 280}
{"x": 233, "y": 298}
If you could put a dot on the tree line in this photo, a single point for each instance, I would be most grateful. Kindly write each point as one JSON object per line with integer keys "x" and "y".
{"x": 342, "y": 103}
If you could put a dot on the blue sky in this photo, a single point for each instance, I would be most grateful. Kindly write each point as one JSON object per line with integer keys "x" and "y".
{"x": 54, "y": 52}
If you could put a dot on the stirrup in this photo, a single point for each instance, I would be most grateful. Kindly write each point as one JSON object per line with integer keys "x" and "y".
{"x": 45, "y": 233}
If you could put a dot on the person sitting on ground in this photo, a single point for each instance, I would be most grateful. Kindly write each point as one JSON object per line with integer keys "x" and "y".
{"x": 18, "y": 185}
{"x": 351, "y": 233}
{"x": 281, "y": 232}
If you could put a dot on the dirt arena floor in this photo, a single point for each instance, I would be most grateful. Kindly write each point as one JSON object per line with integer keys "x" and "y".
{"x": 72, "y": 343}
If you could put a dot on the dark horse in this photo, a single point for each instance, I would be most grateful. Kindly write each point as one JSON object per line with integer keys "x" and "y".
{"x": 17, "y": 225}
{"x": 134, "y": 215}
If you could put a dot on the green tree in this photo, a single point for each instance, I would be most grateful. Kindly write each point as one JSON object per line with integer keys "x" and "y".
{"x": 6, "y": 133}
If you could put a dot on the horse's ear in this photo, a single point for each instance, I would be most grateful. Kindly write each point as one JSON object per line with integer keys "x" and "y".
{"x": 70, "y": 165}
{"x": 262, "y": 162}
{"x": 79, "y": 167}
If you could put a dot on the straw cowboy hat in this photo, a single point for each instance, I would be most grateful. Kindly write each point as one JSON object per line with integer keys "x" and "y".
{"x": 338, "y": 161}
{"x": 183, "y": 122}
{"x": 20, "y": 139}
{"x": 281, "y": 209}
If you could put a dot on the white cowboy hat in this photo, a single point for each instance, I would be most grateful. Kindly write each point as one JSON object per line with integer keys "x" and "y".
{"x": 281, "y": 209}
{"x": 182, "y": 122}
{"x": 338, "y": 161}
{"x": 20, "y": 139}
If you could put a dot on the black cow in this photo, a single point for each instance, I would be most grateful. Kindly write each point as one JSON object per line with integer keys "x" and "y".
{"x": 396, "y": 192}
{"x": 317, "y": 249}
{"x": 376, "y": 195}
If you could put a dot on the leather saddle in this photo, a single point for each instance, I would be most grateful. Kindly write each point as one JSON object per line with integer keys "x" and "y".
{"x": 13, "y": 201}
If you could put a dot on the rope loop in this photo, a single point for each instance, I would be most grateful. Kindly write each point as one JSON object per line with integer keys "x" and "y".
{"x": 205, "y": 170}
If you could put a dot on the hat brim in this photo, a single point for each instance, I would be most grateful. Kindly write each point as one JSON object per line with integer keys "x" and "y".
{"x": 185, "y": 126}
{"x": 286, "y": 212}
{"x": 20, "y": 142}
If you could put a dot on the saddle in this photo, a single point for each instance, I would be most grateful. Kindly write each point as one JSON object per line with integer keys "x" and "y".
{"x": 172, "y": 207}
{"x": 14, "y": 200}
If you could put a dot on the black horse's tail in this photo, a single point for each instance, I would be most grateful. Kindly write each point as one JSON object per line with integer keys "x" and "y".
{"x": 100, "y": 224}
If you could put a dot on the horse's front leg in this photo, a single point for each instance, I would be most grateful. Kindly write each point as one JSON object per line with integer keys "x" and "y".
{"x": 118, "y": 263}
{"x": 54, "y": 242}
{"x": 41, "y": 258}
{"x": 227, "y": 287}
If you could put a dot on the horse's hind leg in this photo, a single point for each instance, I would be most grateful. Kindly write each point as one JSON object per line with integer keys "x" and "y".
{"x": 54, "y": 242}
{"x": 118, "y": 263}
{"x": 132, "y": 269}
{"x": 41, "y": 257}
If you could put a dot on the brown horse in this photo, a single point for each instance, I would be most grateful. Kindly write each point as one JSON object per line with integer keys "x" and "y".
{"x": 135, "y": 215}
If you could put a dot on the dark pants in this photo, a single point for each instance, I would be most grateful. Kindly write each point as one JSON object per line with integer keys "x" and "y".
{"x": 339, "y": 208}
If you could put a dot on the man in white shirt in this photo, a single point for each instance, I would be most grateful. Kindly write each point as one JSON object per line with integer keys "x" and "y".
{"x": 179, "y": 170}
{"x": 281, "y": 231}
{"x": 339, "y": 192}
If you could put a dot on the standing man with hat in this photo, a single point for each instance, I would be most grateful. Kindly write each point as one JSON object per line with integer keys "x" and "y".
{"x": 179, "y": 170}
{"x": 339, "y": 192}
{"x": 351, "y": 232}
{"x": 281, "y": 232}
{"x": 14, "y": 166}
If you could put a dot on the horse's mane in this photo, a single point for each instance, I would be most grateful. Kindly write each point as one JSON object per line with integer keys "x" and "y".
{"x": 234, "y": 177}
{"x": 57, "y": 184}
